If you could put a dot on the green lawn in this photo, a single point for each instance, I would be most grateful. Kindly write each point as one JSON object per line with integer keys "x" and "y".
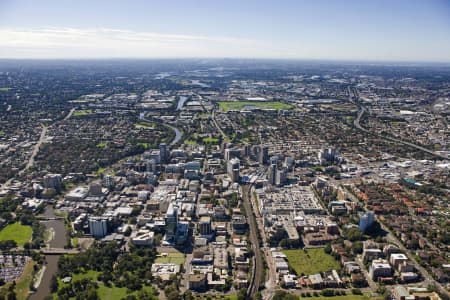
{"x": 145, "y": 145}
{"x": 146, "y": 125}
{"x": 4, "y": 89}
{"x": 190, "y": 142}
{"x": 238, "y": 105}
{"x": 16, "y": 232}
{"x": 210, "y": 140}
{"x": 311, "y": 261}
{"x": 173, "y": 257}
{"x": 104, "y": 292}
{"x": 81, "y": 113}
{"x": 101, "y": 145}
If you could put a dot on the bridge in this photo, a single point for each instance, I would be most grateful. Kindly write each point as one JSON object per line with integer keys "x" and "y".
{"x": 43, "y": 218}
{"x": 59, "y": 251}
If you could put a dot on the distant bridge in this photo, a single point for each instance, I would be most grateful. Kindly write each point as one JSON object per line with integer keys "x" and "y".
{"x": 43, "y": 218}
{"x": 59, "y": 251}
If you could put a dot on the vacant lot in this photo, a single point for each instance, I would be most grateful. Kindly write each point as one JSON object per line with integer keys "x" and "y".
{"x": 16, "y": 232}
{"x": 172, "y": 257}
{"x": 239, "y": 105}
{"x": 311, "y": 261}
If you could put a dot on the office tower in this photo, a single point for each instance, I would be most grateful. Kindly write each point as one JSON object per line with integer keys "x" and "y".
{"x": 204, "y": 226}
{"x": 366, "y": 220}
{"x": 233, "y": 166}
{"x": 263, "y": 155}
{"x": 98, "y": 226}
{"x": 163, "y": 153}
{"x": 272, "y": 174}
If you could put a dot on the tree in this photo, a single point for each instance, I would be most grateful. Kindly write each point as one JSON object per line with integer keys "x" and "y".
{"x": 353, "y": 234}
{"x": 242, "y": 294}
{"x": 188, "y": 295}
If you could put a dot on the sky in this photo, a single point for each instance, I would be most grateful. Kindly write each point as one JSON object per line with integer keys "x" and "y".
{"x": 373, "y": 30}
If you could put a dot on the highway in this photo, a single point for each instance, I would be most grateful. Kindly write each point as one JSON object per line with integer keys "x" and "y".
{"x": 357, "y": 124}
{"x": 257, "y": 262}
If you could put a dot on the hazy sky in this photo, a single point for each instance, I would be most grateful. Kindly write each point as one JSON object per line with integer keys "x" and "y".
{"x": 399, "y": 30}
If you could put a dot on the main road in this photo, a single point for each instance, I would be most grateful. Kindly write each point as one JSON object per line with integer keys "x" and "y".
{"x": 257, "y": 263}
{"x": 357, "y": 124}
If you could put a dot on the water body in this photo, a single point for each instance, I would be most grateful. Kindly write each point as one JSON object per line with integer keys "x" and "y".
{"x": 178, "y": 133}
{"x": 200, "y": 84}
{"x": 181, "y": 102}
{"x": 51, "y": 261}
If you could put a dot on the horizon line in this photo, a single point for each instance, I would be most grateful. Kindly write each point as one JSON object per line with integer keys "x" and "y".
{"x": 299, "y": 59}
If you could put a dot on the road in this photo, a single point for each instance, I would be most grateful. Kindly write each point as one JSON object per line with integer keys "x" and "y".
{"x": 428, "y": 278}
{"x": 35, "y": 150}
{"x": 257, "y": 263}
{"x": 213, "y": 116}
{"x": 357, "y": 124}
{"x": 69, "y": 114}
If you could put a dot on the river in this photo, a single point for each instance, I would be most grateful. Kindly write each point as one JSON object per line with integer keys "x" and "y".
{"x": 181, "y": 102}
{"x": 51, "y": 261}
{"x": 178, "y": 133}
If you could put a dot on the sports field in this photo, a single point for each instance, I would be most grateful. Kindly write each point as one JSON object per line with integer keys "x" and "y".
{"x": 16, "y": 232}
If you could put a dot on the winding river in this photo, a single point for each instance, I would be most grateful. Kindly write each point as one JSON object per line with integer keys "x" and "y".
{"x": 51, "y": 261}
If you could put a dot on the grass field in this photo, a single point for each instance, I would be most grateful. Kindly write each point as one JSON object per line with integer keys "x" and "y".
{"x": 145, "y": 125}
{"x": 16, "y": 232}
{"x": 311, "y": 261}
{"x": 101, "y": 145}
{"x": 2, "y": 132}
{"x": 4, "y": 89}
{"x": 238, "y": 105}
{"x": 81, "y": 113}
{"x": 210, "y": 140}
{"x": 190, "y": 142}
{"x": 104, "y": 292}
{"x": 173, "y": 257}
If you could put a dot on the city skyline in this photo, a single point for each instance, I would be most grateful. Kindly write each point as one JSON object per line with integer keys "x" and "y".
{"x": 348, "y": 30}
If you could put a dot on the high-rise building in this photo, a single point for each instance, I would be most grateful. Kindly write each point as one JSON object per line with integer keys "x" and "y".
{"x": 163, "y": 153}
{"x": 233, "y": 166}
{"x": 281, "y": 177}
{"x": 263, "y": 155}
{"x": 53, "y": 181}
{"x": 272, "y": 174}
{"x": 98, "y": 226}
{"x": 109, "y": 182}
{"x": 247, "y": 150}
{"x": 204, "y": 226}
{"x": 366, "y": 220}
{"x": 171, "y": 222}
